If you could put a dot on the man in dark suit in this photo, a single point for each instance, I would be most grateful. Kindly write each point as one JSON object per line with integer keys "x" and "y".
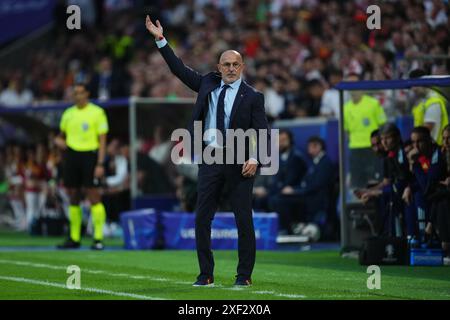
{"x": 292, "y": 168}
{"x": 224, "y": 101}
{"x": 311, "y": 197}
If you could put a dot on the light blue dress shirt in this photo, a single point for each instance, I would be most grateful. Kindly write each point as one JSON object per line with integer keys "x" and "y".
{"x": 213, "y": 99}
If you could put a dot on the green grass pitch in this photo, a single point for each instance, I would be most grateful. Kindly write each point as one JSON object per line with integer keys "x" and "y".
{"x": 27, "y": 272}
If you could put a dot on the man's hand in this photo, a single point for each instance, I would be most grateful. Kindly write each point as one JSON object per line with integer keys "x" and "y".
{"x": 99, "y": 172}
{"x": 249, "y": 168}
{"x": 60, "y": 142}
{"x": 259, "y": 192}
{"x": 365, "y": 197}
{"x": 156, "y": 31}
{"x": 369, "y": 194}
{"x": 446, "y": 182}
{"x": 287, "y": 190}
{"x": 429, "y": 228}
{"x": 412, "y": 155}
{"x": 407, "y": 195}
{"x": 359, "y": 192}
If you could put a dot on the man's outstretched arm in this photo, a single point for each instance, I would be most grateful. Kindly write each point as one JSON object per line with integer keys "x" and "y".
{"x": 189, "y": 77}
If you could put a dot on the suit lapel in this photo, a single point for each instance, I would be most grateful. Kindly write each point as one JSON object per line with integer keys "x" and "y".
{"x": 239, "y": 96}
{"x": 210, "y": 86}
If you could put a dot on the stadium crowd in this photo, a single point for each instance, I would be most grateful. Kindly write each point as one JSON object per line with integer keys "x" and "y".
{"x": 295, "y": 51}
{"x": 33, "y": 189}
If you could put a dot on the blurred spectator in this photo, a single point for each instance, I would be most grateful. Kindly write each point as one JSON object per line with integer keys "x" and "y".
{"x": 396, "y": 179}
{"x": 116, "y": 195}
{"x": 330, "y": 100}
{"x": 310, "y": 200}
{"x": 292, "y": 169}
{"x": 440, "y": 203}
{"x": 274, "y": 99}
{"x": 430, "y": 109}
{"x": 428, "y": 166}
{"x": 378, "y": 150}
{"x": 16, "y": 94}
{"x": 14, "y": 169}
{"x": 108, "y": 82}
{"x": 3, "y": 188}
{"x": 35, "y": 183}
{"x": 312, "y": 102}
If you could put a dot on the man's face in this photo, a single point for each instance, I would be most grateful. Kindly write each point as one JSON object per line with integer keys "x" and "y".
{"x": 355, "y": 94}
{"x": 377, "y": 147}
{"x": 389, "y": 142}
{"x": 230, "y": 66}
{"x": 419, "y": 142}
{"x": 284, "y": 142}
{"x": 446, "y": 139}
{"x": 419, "y": 92}
{"x": 314, "y": 149}
{"x": 80, "y": 95}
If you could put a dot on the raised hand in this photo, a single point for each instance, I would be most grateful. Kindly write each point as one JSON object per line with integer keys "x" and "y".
{"x": 155, "y": 30}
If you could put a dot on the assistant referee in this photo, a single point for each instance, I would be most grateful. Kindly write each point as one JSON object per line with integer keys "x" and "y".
{"x": 83, "y": 137}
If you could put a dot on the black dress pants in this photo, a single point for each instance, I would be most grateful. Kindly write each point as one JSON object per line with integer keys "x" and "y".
{"x": 211, "y": 179}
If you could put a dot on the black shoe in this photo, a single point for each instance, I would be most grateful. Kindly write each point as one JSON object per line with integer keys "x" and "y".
{"x": 204, "y": 282}
{"x": 243, "y": 282}
{"x": 97, "y": 245}
{"x": 69, "y": 244}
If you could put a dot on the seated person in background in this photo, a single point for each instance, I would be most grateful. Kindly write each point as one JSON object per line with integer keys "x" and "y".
{"x": 440, "y": 203}
{"x": 428, "y": 166}
{"x": 396, "y": 177}
{"x": 291, "y": 171}
{"x": 378, "y": 150}
{"x": 116, "y": 191}
{"x": 308, "y": 201}
{"x": 261, "y": 188}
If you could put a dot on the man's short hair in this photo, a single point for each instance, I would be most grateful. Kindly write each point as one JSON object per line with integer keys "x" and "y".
{"x": 390, "y": 128}
{"x": 417, "y": 73}
{"x": 318, "y": 140}
{"x": 375, "y": 133}
{"x": 82, "y": 84}
{"x": 289, "y": 134}
{"x": 423, "y": 131}
{"x": 335, "y": 72}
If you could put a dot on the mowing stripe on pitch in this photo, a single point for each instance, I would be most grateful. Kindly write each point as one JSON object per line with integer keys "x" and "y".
{"x": 158, "y": 279}
{"x": 91, "y": 290}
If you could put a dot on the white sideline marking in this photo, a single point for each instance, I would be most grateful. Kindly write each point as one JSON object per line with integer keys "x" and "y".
{"x": 159, "y": 279}
{"x": 92, "y": 290}
{"x": 282, "y": 295}
{"x": 53, "y": 267}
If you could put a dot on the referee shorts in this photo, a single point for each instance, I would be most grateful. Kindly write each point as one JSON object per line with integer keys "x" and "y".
{"x": 78, "y": 168}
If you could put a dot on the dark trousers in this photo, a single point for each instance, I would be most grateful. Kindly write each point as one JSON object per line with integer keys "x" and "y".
{"x": 211, "y": 180}
{"x": 363, "y": 163}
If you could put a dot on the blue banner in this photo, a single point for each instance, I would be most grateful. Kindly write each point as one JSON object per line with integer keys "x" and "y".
{"x": 140, "y": 229}
{"x": 179, "y": 231}
{"x": 19, "y": 17}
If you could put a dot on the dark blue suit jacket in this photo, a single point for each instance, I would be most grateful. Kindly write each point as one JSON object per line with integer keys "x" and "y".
{"x": 248, "y": 108}
{"x": 291, "y": 171}
{"x": 317, "y": 184}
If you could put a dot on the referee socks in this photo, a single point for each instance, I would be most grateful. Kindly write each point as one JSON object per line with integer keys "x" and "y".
{"x": 98, "y": 213}
{"x": 75, "y": 219}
